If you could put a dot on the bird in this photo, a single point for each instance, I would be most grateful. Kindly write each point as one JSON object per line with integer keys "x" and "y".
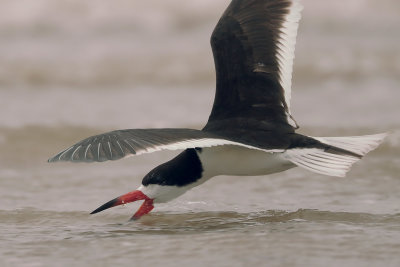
{"x": 250, "y": 130}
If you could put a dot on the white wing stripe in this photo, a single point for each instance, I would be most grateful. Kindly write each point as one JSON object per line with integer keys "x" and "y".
{"x": 120, "y": 146}
{"x": 109, "y": 148}
{"x": 72, "y": 156}
{"x": 87, "y": 150}
{"x": 98, "y": 150}
{"x": 65, "y": 151}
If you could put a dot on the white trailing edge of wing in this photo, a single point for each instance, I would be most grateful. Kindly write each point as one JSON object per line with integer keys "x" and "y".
{"x": 285, "y": 53}
{"x": 148, "y": 148}
{"x": 334, "y": 164}
{"x": 360, "y": 145}
{"x": 198, "y": 143}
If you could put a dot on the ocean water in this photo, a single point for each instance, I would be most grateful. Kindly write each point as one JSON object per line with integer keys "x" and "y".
{"x": 71, "y": 69}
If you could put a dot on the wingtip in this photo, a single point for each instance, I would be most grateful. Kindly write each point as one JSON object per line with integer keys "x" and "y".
{"x": 53, "y": 159}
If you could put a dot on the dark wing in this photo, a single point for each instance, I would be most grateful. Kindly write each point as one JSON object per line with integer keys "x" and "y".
{"x": 253, "y": 47}
{"x": 122, "y": 143}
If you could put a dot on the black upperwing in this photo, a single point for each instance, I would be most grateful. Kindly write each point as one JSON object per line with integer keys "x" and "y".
{"x": 124, "y": 143}
{"x": 253, "y": 47}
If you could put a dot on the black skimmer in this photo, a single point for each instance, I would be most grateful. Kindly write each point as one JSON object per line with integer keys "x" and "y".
{"x": 250, "y": 130}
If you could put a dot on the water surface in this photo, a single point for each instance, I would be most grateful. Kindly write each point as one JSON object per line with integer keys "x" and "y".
{"x": 71, "y": 69}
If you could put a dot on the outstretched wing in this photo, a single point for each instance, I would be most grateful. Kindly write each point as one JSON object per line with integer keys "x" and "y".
{"x": 122, "y": 143}
{"x": 253, "y": 46}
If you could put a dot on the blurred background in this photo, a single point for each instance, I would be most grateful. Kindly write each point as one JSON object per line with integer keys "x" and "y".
{"x": 70, "y": 69}
{"x": 99, "y": 63}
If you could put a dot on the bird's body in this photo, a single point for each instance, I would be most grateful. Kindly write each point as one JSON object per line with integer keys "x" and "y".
{"x": 250, "y": 130}
{"x": 193, "y": 167}
{"x": 241, "y": 161}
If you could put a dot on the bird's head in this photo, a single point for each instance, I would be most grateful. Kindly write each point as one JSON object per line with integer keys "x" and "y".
{"x": 136, "y": 195}
{"x": 162, "y": 184}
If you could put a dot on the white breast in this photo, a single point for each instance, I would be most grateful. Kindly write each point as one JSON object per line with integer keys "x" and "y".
{"x": 241, "y": 161}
